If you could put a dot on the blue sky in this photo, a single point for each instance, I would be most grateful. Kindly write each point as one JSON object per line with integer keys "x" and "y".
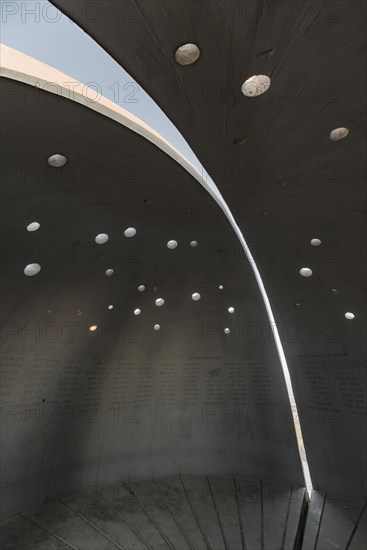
{"x": 38, "y": 29}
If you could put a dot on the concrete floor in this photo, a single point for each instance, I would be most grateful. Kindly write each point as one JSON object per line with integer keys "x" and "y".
{"x": 191, "y": 513}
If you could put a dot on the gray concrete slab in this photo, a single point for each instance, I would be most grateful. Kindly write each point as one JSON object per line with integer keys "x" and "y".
{"x": 314, "y": 515}
{"x": 359, "y": 538}
{"x": 121, "y": 498}
{"x": 149, "y": 497}
{"x": 338, "y": 521}
{"x": 250, "y": 505}
{"x": 59, "y": 520}
{"x": 173, "y": 492}
{"x": 223, "y": 490}
{"x": 198, "y": 492}
{"x": 19, "y": 533}
{"x": 99, "y": 513}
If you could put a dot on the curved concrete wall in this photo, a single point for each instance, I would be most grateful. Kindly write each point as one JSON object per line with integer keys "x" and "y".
{"x": 285, "y": 181}
{"x": 83, "y": 407}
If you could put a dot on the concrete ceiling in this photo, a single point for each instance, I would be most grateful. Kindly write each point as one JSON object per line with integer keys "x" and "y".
{"x": 284, "y": 179}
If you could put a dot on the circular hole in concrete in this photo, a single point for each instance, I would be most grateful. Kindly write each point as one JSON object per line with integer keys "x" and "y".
{"x": 339, "y": 133}
{"x": 57, "y": 160}
{"x": 315, "y": 242}
{"x": 101, "y": 238}
{"x": 305, "y": 272}
{"x": 187, "y": 54}
{"x": 157, "y": 327}
{"x": 159, "y": 302}
{"x": 349, "y": 315}
{"x": 93, "y": 328}
{"x": 109, "y": 272}
{"x": 231, "y": 309}
{"x": 33, "y": 226}
{"x": 334, "y": 291}
{"x": 194, "y": 244}
{"x": 227, "y": 331}
{"x": 239, "y": 141}
{"x": 220, "y": 287}
{"x": 32, "y": 269}
{"x": 110, "y": 306}
{"x": 196, "y": 296}
{"x": 255, "y": 85}
{"x": 137, "y": 311}
{"x": 172, "y": 245}
{"x": 141, "y": 288}
{"x": 130, "y": 232}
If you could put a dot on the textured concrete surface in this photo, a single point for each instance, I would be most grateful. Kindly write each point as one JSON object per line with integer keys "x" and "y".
{"x": 284, "y": 179}
{"x": 134, "y": 515}
{"x": 126, "y": 401}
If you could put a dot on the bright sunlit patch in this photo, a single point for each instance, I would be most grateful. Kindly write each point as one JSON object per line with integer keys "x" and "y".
{"x": 306, "y": 272}
{"x": 255, "y": 85}
{"x": 187, "y": 54}
{"x": 338, "y": 134}
{"x": 57, "y": 161}
{"x": 33, "y": 226}
{"x": 101, "y": 238}
{"x": 32, "y": 269}
{"x": 130, "y": 232}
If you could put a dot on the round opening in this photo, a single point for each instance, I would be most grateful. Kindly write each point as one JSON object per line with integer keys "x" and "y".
{"x": 155, "y": 289}
{"x": 101, "y": 238}
{"x": 79, "y": 312}
{"x": 239, "y": 141}
{"x": 338, "y": 134}
{"x": 194, "y": 244}
{"x": 255, "y": 85}
{"x": 187, "y": 54}
{"x": 157, "y": 327}
{"x": 137, "y": 311}
{"x": 130, "y": 232}
{"x": 231, "y": 309}
{"x": 220, "y": 287}
{"x": 227, "y": 331}
{"x": 297, "y": 304}
{"x": 159, "y": 302}
{"x": 315, "y": 242}
{"x": 57, "y": 161}
{"x": 349, "y": 315}
{"x": 306, "y": 272}
{"x": 141, "y": 288}
{"x": 93, "y": 328}
{"x": 172, "y": 245}
{"x": 33, "y": 226}
{"x": 109, "y": 272}
{"x": 110, "y": 307}
{"x": 196, "y": 296}
{"x": 334, "y": 291}
{"x": 32, "y": 269}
